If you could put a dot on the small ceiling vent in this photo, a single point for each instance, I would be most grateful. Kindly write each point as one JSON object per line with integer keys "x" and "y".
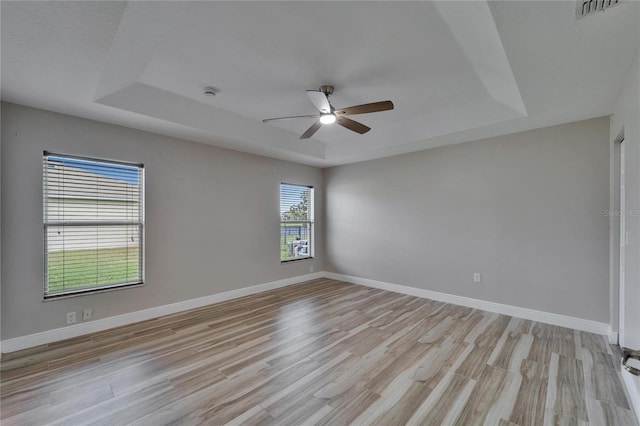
{"x": 589, "y": 7}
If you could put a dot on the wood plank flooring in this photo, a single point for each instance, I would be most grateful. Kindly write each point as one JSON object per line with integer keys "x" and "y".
{"x": 326, "y": 353}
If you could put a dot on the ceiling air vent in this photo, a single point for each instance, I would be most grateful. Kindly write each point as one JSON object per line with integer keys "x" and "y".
{"x": 589, "y": 7}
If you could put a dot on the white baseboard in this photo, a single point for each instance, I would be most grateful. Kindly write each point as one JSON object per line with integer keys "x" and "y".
{"x": 31, "y": 340}
{"x": 633, "y": 390}
{"x": 613, "y": 337}
{"x": 530, "y": 314}
{"x": 24, "y": 342}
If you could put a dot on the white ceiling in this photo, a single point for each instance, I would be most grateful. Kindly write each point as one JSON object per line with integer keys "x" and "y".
{"x": 456, "y": 71}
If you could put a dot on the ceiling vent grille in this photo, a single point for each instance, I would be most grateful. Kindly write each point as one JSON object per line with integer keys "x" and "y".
{"x": 589, "y": 7}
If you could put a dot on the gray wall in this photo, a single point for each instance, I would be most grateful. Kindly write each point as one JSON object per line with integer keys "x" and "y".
{"x": 526, "y": 210}
{"x": 1, "y": 195}
{"x": 212, "y": 221}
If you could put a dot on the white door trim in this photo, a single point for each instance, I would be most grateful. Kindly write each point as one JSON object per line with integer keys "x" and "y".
{"x": 623, "y": 243}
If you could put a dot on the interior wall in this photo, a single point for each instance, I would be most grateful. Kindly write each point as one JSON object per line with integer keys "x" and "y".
{"x": 0, "y": 235}
{"x": 625, "y": 122}
{"x": 526, "y": 210}
{"x": 212, "y": 217}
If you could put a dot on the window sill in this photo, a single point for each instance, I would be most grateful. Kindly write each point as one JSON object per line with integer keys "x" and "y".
{"x": 296, "y": 260}
{"x": 92, "y": 291}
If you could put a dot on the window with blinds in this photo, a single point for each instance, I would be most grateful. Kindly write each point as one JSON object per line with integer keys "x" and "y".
{"x": 296, "y": 222}
{"x": 93, "y": 225}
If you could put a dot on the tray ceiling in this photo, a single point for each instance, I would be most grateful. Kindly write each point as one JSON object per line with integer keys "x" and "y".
{"x": 456, "y": 71}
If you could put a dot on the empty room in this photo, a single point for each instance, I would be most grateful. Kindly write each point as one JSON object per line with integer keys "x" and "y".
{"x": 320, "y": 212}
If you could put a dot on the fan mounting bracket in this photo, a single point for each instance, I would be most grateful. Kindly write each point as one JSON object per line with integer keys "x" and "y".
{"x": 326, "y": 89}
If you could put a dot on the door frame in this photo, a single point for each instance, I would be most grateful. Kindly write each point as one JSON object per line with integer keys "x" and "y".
{"x": 624, "y": 239}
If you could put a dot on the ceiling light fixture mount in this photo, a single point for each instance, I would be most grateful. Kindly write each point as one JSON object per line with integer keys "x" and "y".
{"x": 210, "y": 91}
{"x": 327, "y": 90}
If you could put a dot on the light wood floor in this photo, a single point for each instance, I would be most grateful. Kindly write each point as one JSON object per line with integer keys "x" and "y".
{"x": 323, "y": 352}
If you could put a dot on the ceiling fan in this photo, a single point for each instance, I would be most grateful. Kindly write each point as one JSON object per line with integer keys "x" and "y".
{"x": 328, "y": 114}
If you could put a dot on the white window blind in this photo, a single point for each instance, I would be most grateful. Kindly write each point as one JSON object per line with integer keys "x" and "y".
{"x": 93, "y": 224}
{"x": 296, "y": 222}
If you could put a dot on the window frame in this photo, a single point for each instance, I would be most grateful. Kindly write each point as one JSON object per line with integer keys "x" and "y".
{"x": 310, "y": 222}
{"x": 141, "y": 235}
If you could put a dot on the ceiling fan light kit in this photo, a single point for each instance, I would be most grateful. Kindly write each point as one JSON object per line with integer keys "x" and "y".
{"x": 327, "y": 114}
{"x": 328, "y": 118}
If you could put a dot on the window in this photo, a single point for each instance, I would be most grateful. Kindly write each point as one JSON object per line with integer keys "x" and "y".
{"x": 93, "y": 225}
{"x": 296, "y": 222}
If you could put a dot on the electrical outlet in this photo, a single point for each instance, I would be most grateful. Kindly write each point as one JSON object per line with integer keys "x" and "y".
{"x": 477, "y": 277}
{"x": 310, "y": 268}
{"x": 71, "y": 317}
{"x": 86, "y": 314}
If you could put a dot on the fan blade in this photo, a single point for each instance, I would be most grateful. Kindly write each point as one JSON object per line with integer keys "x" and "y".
{"x": 352, "y": 125}
{"x": 311, "y": 130}
{"x": 266, "y": 120}
{"x": 365, "y": 108}
{"x": 320, "y": 100}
